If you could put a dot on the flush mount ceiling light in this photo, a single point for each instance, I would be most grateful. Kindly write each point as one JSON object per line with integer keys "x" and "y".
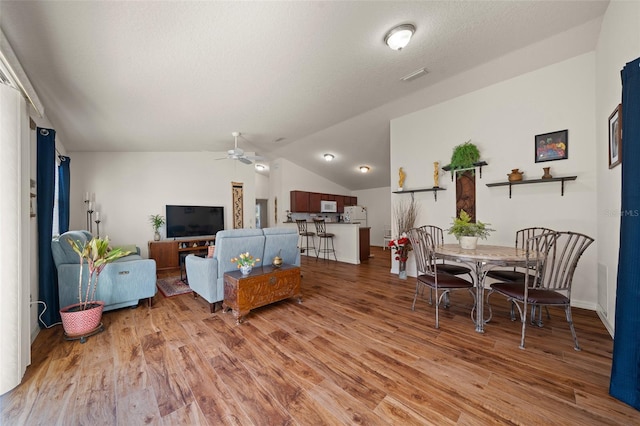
{"x": 329, "y": 157}
{"x": 399, "y": 36}
{"x": 364, "y": 169}
{"x": 260, "y": 167}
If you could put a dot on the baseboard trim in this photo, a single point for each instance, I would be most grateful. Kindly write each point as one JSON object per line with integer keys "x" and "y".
{"x": 606, "y": 323}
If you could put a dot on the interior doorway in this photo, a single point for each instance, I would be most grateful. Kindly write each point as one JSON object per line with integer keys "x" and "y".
{"x": 261, "y": 214}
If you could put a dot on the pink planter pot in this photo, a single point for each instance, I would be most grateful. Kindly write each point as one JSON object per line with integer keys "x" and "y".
{"x": 79, "y": 323}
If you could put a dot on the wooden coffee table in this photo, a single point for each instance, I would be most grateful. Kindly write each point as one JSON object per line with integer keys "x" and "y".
{"x": 264, "y": 285}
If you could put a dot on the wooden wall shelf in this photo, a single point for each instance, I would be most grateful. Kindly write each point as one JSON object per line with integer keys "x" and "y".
{"x": 434, "y": 189}
{"x": 479, "y": 164}
{"x": 525, "y": 182}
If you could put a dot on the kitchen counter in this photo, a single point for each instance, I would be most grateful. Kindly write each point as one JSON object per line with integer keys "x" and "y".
{"x": 346, "y": 240}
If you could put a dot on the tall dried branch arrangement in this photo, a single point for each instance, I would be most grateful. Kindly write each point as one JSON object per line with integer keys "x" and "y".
{"x": 406, "y": 214}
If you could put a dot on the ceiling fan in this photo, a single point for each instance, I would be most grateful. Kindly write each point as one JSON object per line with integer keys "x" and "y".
{"x": 238, "y": 154}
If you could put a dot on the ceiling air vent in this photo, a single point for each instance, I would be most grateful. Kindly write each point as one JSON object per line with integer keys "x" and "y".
{"x": 415, "y": 74}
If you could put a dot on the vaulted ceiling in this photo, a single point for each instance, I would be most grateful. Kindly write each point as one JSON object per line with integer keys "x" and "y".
{"x": 181, "y": 76}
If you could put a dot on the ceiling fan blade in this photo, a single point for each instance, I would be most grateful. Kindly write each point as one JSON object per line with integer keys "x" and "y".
{"x": 245, "y": 160}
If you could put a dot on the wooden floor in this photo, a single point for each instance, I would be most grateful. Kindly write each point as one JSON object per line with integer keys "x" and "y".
{"x": 352, "y": 353}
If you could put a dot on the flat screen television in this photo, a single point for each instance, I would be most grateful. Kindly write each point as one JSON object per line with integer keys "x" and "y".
{"x": 194, "y": 221}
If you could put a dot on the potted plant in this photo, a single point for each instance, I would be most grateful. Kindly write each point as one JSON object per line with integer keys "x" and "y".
{"x": 84, "y": 317}
{"x": 468, "y": 232}
{"x": 464, "y": 156}
{"x": 157, "y": 221}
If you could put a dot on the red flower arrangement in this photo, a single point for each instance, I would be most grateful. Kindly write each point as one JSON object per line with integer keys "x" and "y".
{"x": 402, "y": 247}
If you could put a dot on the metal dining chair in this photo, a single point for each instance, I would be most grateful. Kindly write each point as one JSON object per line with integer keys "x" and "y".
{"x": 513, "y": 275}
{"x": 438, "y": 239}
{"x": 429, "y": 275}
{"x": 552, "y": 258}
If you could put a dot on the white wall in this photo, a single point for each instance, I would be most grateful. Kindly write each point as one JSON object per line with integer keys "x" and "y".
{"x": 378, "y": 204}
{"x": 502, "y": 120}
{"x": 130, "y": 186}
{"x": 619, "y": 43}
{"x": 262, "y": 186}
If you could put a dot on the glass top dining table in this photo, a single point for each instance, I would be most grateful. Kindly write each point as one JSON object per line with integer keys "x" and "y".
{"x": 481, "y": 260}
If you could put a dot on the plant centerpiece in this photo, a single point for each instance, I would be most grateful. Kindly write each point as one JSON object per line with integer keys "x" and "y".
{"x": 464, "y": 156}
{"x": 468, "y": 232}
{"x": 406, "y": 214}
{"x": 245, "y": 262}
{"x": 157, "y": 220}
{"x": 84, "y": 317}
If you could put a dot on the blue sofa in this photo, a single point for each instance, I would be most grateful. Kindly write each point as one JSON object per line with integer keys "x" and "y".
{"x": 122, "y": 283}
{"x": 206, "y": 275}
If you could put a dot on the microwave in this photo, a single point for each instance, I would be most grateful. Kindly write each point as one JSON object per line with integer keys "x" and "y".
{"x": 328, "y": 207}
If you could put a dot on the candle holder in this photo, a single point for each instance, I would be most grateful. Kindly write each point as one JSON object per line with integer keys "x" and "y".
{"x": 89, "y": 222}
{"x": 89, "y": 199}
{"x": 87, "y": 204}
{"x": 97, "y": 221}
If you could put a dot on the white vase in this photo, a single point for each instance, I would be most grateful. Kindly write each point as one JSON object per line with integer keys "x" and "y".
{"x": 156, "y": 236}
{"x": 245, "y": 270}
{"x": 468, "y": 243}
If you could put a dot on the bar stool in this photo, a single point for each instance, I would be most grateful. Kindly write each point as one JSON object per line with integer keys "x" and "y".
{"x": 304, "y": 235}
{"x": 321, "y": 230}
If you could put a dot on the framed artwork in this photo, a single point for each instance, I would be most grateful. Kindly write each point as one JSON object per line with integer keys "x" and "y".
{"x": 552, "y": 146}
{"x": 615, "y": 137}
{"x": 237, "y": 193}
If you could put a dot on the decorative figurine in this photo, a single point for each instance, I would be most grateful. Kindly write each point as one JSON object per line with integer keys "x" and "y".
{"x": 436, "y": 174}
{"x": 402, "y": 177}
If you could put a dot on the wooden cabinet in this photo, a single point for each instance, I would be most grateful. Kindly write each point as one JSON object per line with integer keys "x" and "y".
{"x": 167, "y": 253}
{"x": 365, "y": 244}
{"x": 309, "y": 202}
{"x": 315, "y": 199}
{"x": 299, "y": 201}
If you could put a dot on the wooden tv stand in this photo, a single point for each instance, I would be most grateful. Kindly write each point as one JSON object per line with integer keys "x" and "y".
{"x": 167, "y": 253}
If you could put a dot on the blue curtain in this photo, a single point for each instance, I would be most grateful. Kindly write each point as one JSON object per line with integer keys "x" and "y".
{"x": 625, "y": 371}
{"x": 46, "y": 169}
{"x": 64, "y": 186}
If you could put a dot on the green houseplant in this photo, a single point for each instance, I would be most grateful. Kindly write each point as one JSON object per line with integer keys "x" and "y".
{"x": 157, "y": 221}
{"x": 84, "y": 317}
{"x": 464, "y": 156}
{"x": 468, "y": 232}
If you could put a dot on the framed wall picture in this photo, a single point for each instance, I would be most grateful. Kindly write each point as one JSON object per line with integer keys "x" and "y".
{"x": 615, "y": 137}
{"x": 552, "y": 146}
